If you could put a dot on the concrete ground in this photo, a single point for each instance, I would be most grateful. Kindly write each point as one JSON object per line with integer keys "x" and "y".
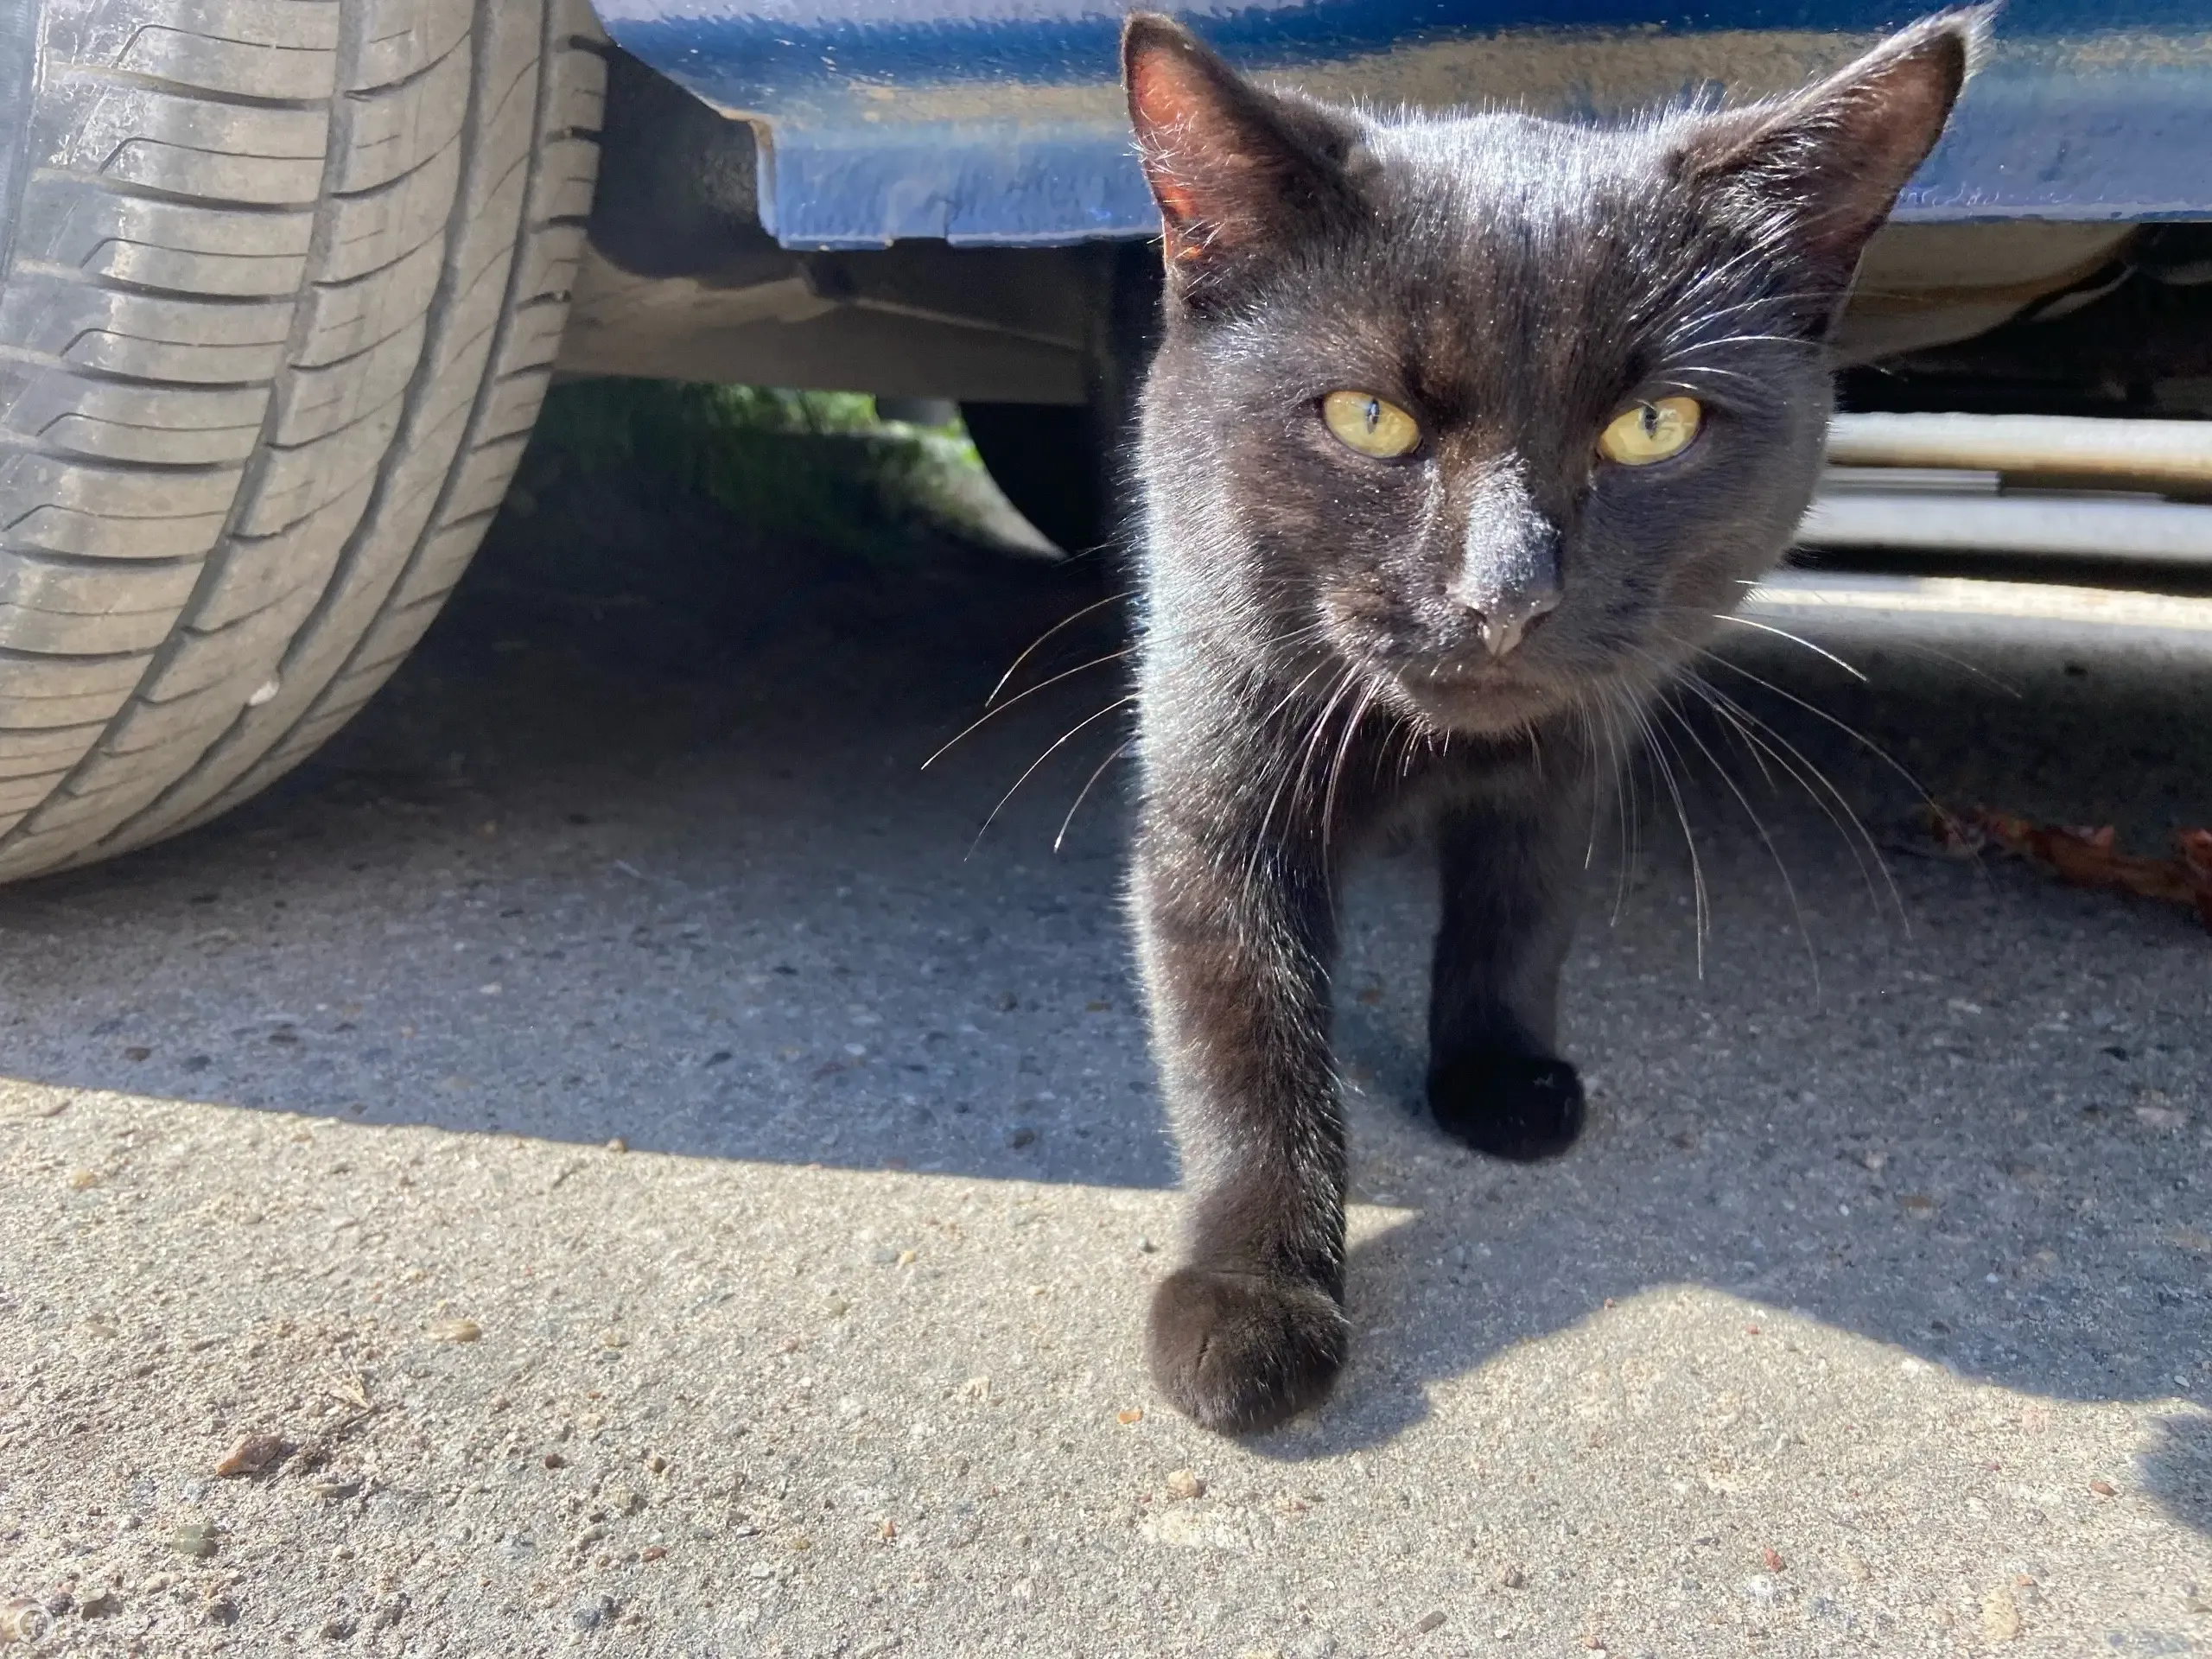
{"x": 636, "y": 1181}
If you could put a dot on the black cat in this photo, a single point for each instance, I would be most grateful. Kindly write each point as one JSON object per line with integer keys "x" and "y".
{"x": 1461, "y": 432}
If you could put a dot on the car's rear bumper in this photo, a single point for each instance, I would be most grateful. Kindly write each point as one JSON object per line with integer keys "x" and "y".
{"x": 998, "y": 122}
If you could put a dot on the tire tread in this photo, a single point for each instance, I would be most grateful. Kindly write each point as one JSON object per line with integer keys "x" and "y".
{"x": 280, "y": 311}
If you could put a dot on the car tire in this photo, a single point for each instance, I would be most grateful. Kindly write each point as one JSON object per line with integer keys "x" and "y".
{"x": 280, "y": 284}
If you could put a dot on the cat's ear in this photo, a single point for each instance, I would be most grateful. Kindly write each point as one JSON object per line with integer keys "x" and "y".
{"x": 1824, "y": 166}
{"x": 1237, "y": 171}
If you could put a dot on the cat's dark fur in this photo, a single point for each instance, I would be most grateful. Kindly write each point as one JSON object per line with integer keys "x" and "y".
{"x": 1317, "y": 625}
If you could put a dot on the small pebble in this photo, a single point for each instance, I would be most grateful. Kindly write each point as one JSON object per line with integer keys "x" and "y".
{"x": 1133, "y": 1414}
{"x": 1146, "y": 1245}
{"x": 1185, "y": 1483}
{"x": 2104, "y": 1489}
{"x": 101, "y": 1604}
{"x": 192, "y": 1538}
{"x": 83, "y": 1180}
{"x": 657, "y": 1463}
{"x": 2000, "y": 1617}
{"x": 623, "y": 1501}
{"x": 253, "y": 1453}
{"x": 1514, "y": 1578}
{"x": 618, "y": 1144}
{"x": 555, "y": 1461}
{"x": 222, "y": 1611}
{"x": 1432, "y": 1620}
{"x": 455, "y": 1331}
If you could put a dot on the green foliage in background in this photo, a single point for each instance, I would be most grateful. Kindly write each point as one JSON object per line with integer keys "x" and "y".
{"x": 816, "y": 465}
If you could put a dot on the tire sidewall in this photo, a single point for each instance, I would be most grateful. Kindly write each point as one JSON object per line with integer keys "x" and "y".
{"x": 20, "y": 28}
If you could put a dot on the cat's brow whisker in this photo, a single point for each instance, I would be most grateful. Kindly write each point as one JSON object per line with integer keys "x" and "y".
{"x": 1029, "y": 651}
{"x": 1711, "y": 315}
{"x": 1795, "y": 639}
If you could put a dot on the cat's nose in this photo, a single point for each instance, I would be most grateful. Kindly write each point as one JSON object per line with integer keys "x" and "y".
{"x": 1506, "y": 620}
{"x": 1509, "y": 561}
{"x": 1506, "y": 596}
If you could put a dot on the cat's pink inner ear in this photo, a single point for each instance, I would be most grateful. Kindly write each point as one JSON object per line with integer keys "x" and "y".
{"x": 1834, "y": 156}
{"x": 1159, "y": 97}
{"x": 1190, "y": 143}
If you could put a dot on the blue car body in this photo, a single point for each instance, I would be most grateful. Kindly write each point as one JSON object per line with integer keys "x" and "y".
{"x": 999, "y": 123}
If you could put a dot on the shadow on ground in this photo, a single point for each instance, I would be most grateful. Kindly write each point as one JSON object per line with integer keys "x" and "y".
{"x": 641, "y": 844}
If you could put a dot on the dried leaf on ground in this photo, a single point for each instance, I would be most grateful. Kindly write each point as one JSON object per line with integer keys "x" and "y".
{"x": 253, "y": 1453}
{"x": 2086, "y": 857}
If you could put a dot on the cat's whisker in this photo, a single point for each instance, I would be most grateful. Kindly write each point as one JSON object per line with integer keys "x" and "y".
{"x": 1053, "y": 748}
{"x": 1268, "y": 718}
{"x": 1758, "y": 826}
{"x": 1291, "y": 777}
{"x": 1337, "y": 766}
{"x": 1756, "y": 753}
{"x": 1701, "y": 911}
{"x": 1761, "y": 340}
{"x": 1795, "y": 639}
{"x": 1014, "y": 667}
{"x": 1589, "y": 744}
{"x": 993, "y": 713}
{"x": 1815, "y": 782}
{"x": 1819, "y": 713}
{"x": 1347, "y": 684}
{"x": 1120, "y": 750}
{"x": 1628, "y": 809}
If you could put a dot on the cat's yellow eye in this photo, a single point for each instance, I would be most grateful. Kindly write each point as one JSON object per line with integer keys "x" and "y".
{"x": 1363, "y": 421}
{"x": 1650, "y": 432}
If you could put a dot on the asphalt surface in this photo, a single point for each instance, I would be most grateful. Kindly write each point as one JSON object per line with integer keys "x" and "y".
{"x": 659, "y": 1183}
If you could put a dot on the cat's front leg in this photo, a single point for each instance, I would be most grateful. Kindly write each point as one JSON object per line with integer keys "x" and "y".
{"x": 1511, "y": 857}
{"x": 1234, "y": 932}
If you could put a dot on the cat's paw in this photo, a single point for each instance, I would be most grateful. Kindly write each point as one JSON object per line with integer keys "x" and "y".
{"x": 1516, "y": 1106}
{"x": 1238, "y": 1353}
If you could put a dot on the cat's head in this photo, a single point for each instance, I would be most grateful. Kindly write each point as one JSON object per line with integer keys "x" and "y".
{"x": 1494, "y": 412}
